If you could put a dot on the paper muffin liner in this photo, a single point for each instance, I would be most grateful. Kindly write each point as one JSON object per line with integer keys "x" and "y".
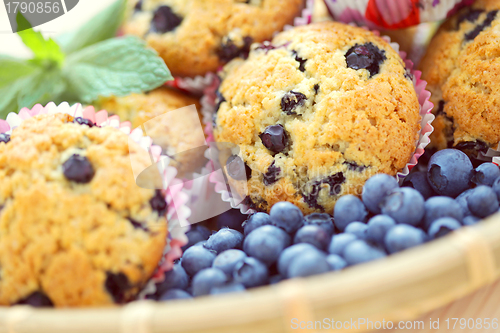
{"x": 426, "y": 106}
{"x": 491, "y": 155}
{"x": 174, "y": 196}
{"x": 393, "y": 14}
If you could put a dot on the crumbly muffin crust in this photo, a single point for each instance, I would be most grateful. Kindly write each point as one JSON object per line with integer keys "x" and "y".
{"x": 70, "y": 233}
{"x": 198, "y": 36}
{"x": 317, "y": 112}
{"x": 462, "y": 69}
{"x": 178, "y": 133}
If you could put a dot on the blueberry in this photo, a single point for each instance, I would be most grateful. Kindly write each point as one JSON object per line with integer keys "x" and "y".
{"x": 197, "y": 258}
{"x": 471, "y": 15}
{"x": 251, "y": 273}
{"x": 286, "y": 216}
{"x": 228, "y": 260}
{"x": 449, "y": 172}
{"x": 174, "y": 294}
{"x": 366, "y": 56}
{"x": 137, "y": 224}
{"x": 301, "y": 61}
{"x": 237, "y": 169}
{"x": 176, "y": 278}
{"x": 438, "y": 207}
{"x": 158, "y": 203}
{"x": 117, "y": 285}
{"x": 353, "y": 166}
{"x": 307, "y": 264}
{"x": 482, "y": 201}
{"x": 471, "y": 220}
{"x": 138, "y": 6}
{"x": 274, "y": 138}
{"x": 266, "y": 243}
{"x": 316, "y": 88}
{"x": 256, "y": 220}
{"x": 486, "y": 174}
{"x": 165, "y": 20}
{"x": 291, "y": 101}
{"x": 336, "y": 262}
{"x": 490, "y": 17}
{"x": 359, "y": 251}
{"x": 348, "y": 208}
{"x": 322, "y": 220}
{"x": 83, "y": 121}
{"x": 272, "y": 175}
{"x": 5, "y": 138}
{"x": 224, "y": 239}
{"x": 314, "y": 235}
{"x": 404, "y": 205}
{"x": 290, "y": 253}
{"x": 375, "y": 189}
{"x": 219, "y": 99}
{"x": 229, "y": 50}
{"x": 402, "y": 237}
{"x": 462, "y": 202}
{"x": 206, "y": 279}
{"x": 334, "y": 182}
{"x": 276, "y": 279}
{"x": 472, "y": 148}
{"x": 496, "y": 187}
{"x": 78, "y": 169}
{"x": 378, "y": 226}
{"x": 418, "y": 181}
{"x": 232, "y": 219}
{"x": 443, "y": 226}
{"x": 266, "y": 46}
{"x": 359, "y": 229}
{"x": 227, "y": 288}
{"x": 196, "y": 234}
{"x": 36, "y": 299}
{"x": 339, "y": 242}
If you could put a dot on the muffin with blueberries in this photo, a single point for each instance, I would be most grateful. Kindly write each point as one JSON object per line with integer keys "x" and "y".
{"x": 315, "y": 113}
{"x": 177, "y": 133}
{"x": 462, "y": 69}
{"x": 75, "y": 229}
{"x": 198, "y": 36}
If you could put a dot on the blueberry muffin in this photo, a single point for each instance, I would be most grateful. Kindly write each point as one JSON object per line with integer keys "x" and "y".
{"x": 198, "y": 36}
{"x": 179, "y": 134}
{"x": 75, "y": 229}
{"x": 462, "y": 70}
{"x": 315, "y": 113}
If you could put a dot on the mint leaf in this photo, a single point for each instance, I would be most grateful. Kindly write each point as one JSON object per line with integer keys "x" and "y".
{"x": 8, "y": 102}
{"x": 42, "y": 87}
{"x": 12, "y": 69}
{"x": 14, "y": 76}
{"x": 43, "y": 49}
{"x": 117, "y": 66}
{"x": 103, "y": 26}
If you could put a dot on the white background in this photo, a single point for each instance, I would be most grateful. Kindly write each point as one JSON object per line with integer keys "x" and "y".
{"x": 11, "y": 44}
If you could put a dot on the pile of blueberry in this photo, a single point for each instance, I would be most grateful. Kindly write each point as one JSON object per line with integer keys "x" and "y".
{"x": 387, "y": 219}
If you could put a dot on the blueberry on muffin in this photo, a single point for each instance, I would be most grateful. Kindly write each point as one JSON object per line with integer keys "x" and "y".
{"x": 461, "y": 69}
{"x": 75, "y": 229}
{"x": 198, "y": 36}
{"x": 315, "y": 113}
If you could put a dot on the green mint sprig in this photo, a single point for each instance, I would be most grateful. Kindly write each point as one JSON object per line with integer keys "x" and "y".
{"x": 80, "y": 66}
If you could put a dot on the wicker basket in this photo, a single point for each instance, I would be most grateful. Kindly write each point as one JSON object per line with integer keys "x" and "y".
{"x": 405, "y": 286}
